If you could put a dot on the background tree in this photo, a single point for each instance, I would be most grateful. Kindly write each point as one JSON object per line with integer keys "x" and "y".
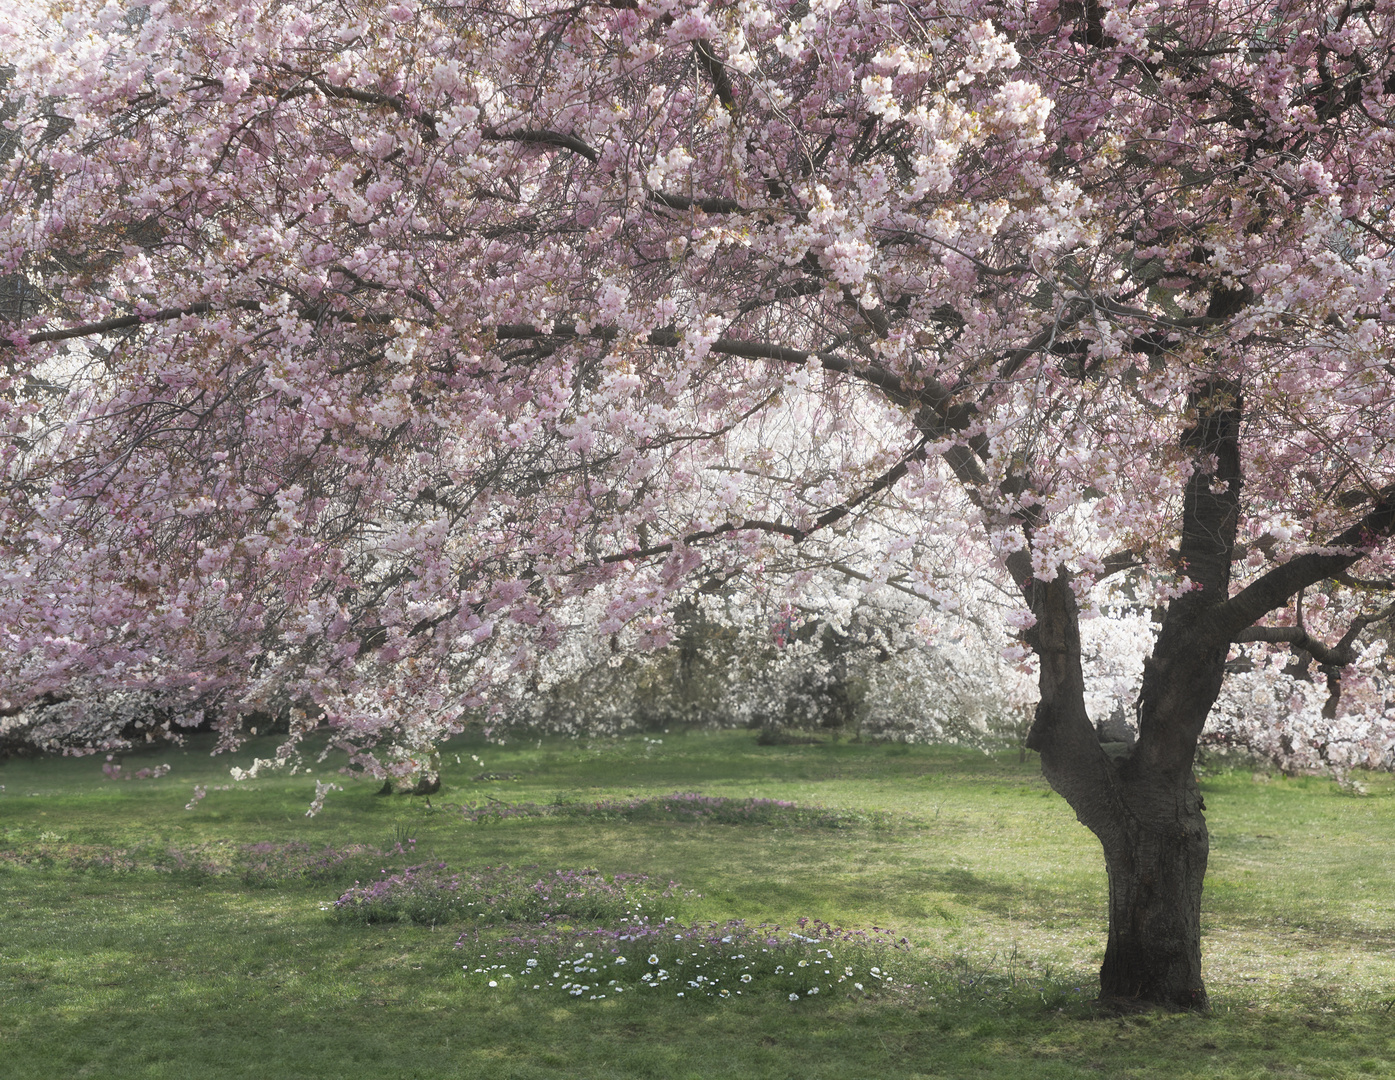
{"x": 374, "y": 334}
{"x": 836, "y": 662}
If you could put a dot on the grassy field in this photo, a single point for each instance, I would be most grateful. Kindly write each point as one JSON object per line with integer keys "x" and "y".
{"x": 139, "y": 938}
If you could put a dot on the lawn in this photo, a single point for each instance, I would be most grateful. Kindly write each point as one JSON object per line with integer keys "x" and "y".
{"x": 139, "y": 938}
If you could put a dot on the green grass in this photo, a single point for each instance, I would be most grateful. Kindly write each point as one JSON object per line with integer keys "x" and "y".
{"x": 203, "y": 965}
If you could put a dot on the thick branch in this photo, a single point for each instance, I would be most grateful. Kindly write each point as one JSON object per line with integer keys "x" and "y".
{"x": 373, "y": 97}
{"x": 707, "y": 206}
{"x": 1071, "y": 757}
{"x": 1118, "y": 561}
{"x": 1364, "y": 584}
{"x": 120, "y": 322}
{"x": 1297, "y": 637}
{"x": 1274, "y": 589}
{"x": 126, "y": 322}
{"x": 667, "y": 338}
{"x": 1211, "y": 499}
{"x": 545, "y": 137}
{"x": 1340, "y": 655}
{"x": 717, "y": 72}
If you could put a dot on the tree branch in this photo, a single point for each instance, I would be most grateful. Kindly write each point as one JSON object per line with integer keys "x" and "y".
{"x": 373, "y": 97}
{"x": 1332, "y": 661}
{"x": 545, "y": 137}
{"x": 665, "y": 337}
{"x": 120, "y": 322}
{"x": 823, "y": 521}
{"x": 717, "y": 72}
{"x": 748, "y": 525}
{"x": 1299, "y": 638}
{"x": 1117, "y": 562}
{"x": 1211, "y": 497}
{"x": 1273, "y": 590}
{"x": 126, "y": 322}
{"x": 707, "y": 206}
{"x": 1364, "y": 584}
{"x": 416, "y": 294}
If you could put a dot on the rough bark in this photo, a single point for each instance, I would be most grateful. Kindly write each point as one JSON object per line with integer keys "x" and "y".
{"x": 1156, "y": 859}
{"x": 1144, "y": 804}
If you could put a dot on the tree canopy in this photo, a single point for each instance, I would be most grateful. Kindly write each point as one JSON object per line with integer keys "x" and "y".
{"x": 351, "y": 347}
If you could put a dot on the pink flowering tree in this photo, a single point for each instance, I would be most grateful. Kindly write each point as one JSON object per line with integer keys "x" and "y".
{"x": 347, "y": 345}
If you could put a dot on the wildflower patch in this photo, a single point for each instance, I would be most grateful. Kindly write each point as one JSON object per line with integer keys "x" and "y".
{"x": 816, "y": 961}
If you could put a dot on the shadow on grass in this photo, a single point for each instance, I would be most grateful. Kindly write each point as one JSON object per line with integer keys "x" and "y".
{"x": 409, "y": 1015}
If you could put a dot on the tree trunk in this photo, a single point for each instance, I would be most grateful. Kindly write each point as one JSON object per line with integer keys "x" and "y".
{"x": 1143, "y": 803}
{"x": 1156, "y": 844}
{"x": 1156, "y": 859}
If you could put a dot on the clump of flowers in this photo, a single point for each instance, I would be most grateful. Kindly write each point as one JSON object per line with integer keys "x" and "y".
{"x": 683, "y": 807}
{"x": 432, "y": 894}
{"x": 711, "y": 960}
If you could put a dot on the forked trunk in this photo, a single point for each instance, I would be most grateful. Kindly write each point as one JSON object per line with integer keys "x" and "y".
{"x": 1143, "y": 804}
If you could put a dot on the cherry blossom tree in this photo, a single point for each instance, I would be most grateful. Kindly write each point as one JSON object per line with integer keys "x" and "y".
{"x": 348, "y": 344}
